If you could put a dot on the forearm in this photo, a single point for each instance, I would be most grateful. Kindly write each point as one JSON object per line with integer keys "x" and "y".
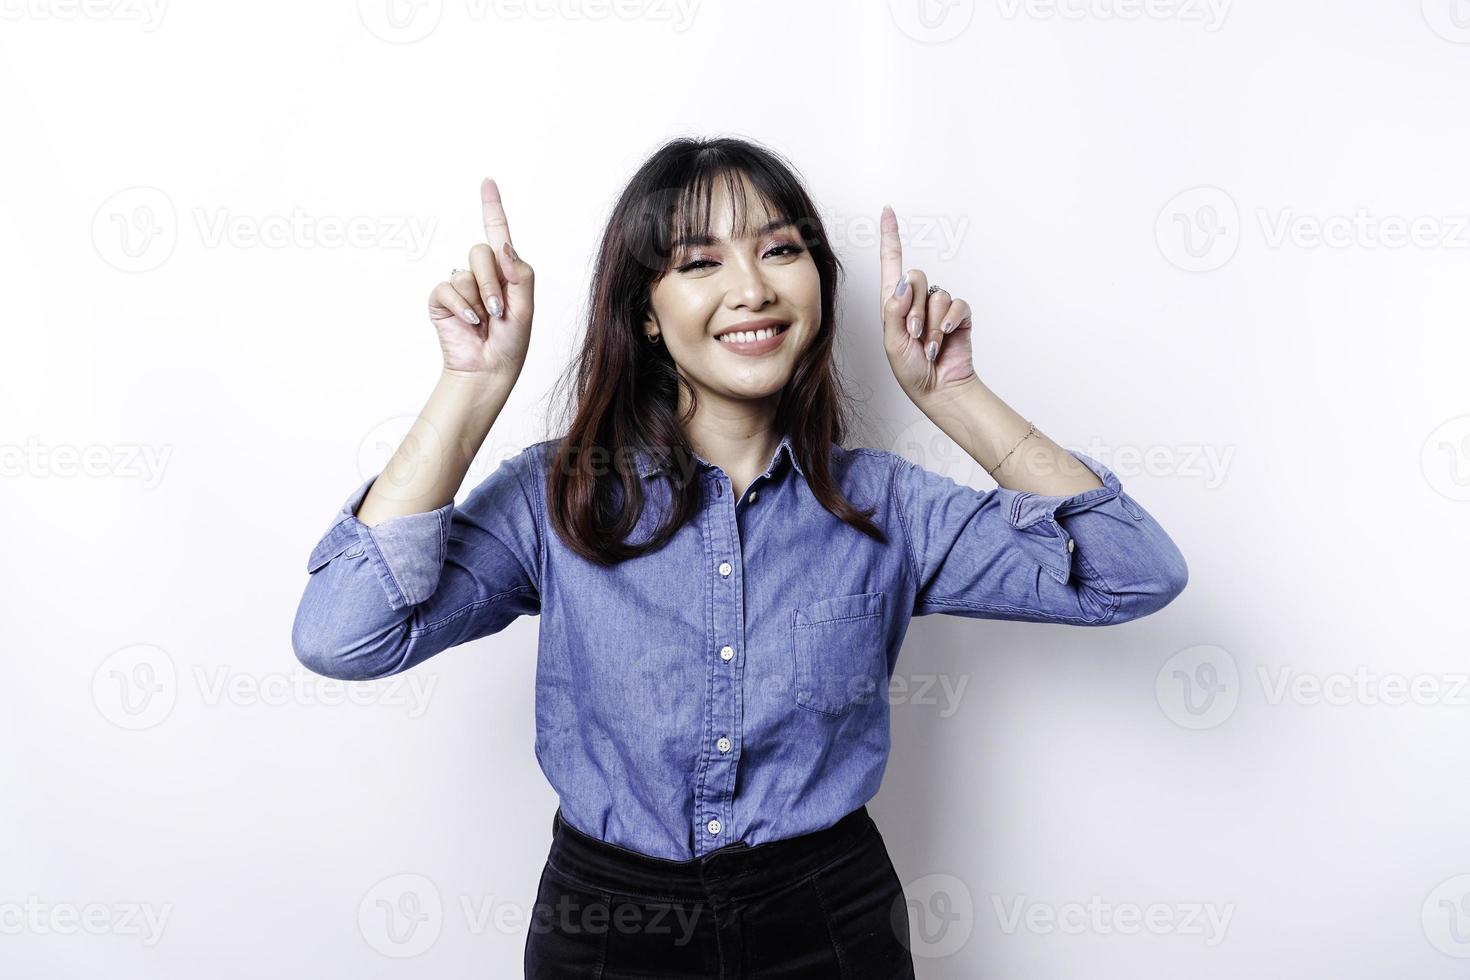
{"x": 431, "y": 462}
{"x": 988, "y": 429}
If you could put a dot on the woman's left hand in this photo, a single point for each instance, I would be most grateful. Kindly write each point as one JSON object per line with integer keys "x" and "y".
{"x": 915, "y": 319}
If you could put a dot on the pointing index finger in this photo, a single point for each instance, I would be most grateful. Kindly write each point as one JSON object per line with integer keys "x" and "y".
{"x": 497, "y": 229}
{"x": 890, "y": 252}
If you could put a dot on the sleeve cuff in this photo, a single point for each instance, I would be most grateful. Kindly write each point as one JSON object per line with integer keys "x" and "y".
{"x": 1035, "y": 516}
{"x": 406, "y": 553}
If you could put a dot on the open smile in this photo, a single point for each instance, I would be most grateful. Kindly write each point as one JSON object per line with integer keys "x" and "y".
{"x": 756, "y": 341}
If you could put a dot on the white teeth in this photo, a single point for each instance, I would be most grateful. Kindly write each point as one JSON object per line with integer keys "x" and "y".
{"x": 747, "y": 336}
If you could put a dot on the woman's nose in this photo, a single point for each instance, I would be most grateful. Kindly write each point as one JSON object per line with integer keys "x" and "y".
{"x": 751, "y": 287}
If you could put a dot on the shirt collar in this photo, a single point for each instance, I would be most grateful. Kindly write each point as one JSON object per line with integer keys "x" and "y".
{"x": 648, "y": 464}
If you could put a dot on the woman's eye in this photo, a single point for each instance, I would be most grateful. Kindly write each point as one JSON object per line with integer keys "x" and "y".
{"x": 785, "y": 248}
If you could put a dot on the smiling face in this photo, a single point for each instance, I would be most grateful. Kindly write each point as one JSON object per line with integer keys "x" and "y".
{"x": 738, "y": 277}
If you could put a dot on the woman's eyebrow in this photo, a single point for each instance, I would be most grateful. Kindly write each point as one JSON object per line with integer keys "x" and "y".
{"x": 712, "y": 240}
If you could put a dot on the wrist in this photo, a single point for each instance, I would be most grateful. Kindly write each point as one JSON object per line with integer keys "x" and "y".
{"x": 464, "y": 405}
{"x": 950, "y": 400}
{"x": 476, "y": 384}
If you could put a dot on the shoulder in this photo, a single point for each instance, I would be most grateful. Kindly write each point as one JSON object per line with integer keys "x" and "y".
{"x": 902, "y": 477}
{"x": 519, "y": 473}
{"x": 865, "y": 469}
{"x": 864, "y": 455}
{"x": 541, "y": 452}
{"x": 866, "y": 458}
{"x": 534, "y": 462}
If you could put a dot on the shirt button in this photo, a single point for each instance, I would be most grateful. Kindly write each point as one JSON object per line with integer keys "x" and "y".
{"x": 713, "y": 827}
{"x": 727, "y": 653}
{"x": 1070, "y": 544}
{"x": 724, "y": 744}
{"x": 752, "y": 496}
{"x": 725, "y": 568}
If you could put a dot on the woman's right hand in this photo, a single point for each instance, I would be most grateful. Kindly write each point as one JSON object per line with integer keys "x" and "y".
{"x": 476, "y": 343}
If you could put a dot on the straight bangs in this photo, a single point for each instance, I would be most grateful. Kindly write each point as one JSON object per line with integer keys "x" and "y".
{"x": 684, "y": 214}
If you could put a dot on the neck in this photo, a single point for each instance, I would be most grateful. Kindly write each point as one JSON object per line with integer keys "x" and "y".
{"x": 737, "y": 436}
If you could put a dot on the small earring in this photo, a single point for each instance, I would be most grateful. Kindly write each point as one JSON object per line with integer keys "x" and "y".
{"x": 653, "y": 338}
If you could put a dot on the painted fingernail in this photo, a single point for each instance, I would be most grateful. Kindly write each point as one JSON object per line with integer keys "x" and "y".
{"x": 494, "y": 307}
{"x": 469, "y": 315}
{"x": 948, "y": 326}
{"x": 902, "y": 287}
{"x": 932, "y": 350}
{"x": 916, "y": 326}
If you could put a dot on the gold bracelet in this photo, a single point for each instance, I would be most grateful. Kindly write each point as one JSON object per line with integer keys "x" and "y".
{"x": 1007, "y": 456}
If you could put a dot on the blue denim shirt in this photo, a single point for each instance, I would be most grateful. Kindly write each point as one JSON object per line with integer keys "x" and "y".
{"x": 731, "y": 686}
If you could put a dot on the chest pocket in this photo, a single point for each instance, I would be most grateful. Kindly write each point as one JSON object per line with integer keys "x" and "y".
{"x": 838, "y": 652}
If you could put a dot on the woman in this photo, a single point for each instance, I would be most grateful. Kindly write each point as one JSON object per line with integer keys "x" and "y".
{"x": 723, "y": 588}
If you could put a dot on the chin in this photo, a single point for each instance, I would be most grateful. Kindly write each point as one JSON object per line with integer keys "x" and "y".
{"x": 760, "y": 392}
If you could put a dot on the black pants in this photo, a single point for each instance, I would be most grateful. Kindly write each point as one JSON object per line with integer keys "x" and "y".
{"x": 826, "y": 904}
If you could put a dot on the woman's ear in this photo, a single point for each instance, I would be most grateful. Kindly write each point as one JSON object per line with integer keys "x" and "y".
{"x": 650, "y": 325}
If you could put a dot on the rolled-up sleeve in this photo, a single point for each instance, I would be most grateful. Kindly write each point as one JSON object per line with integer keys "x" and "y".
{"x": 382, "y": 599}
{"x": 1089, "y": 559}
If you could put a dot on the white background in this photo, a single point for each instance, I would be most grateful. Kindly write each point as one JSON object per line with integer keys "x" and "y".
{"x": 1221, "y": 248}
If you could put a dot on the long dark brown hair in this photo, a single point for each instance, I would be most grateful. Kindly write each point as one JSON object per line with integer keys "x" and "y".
{"x": 626, "y": 390}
